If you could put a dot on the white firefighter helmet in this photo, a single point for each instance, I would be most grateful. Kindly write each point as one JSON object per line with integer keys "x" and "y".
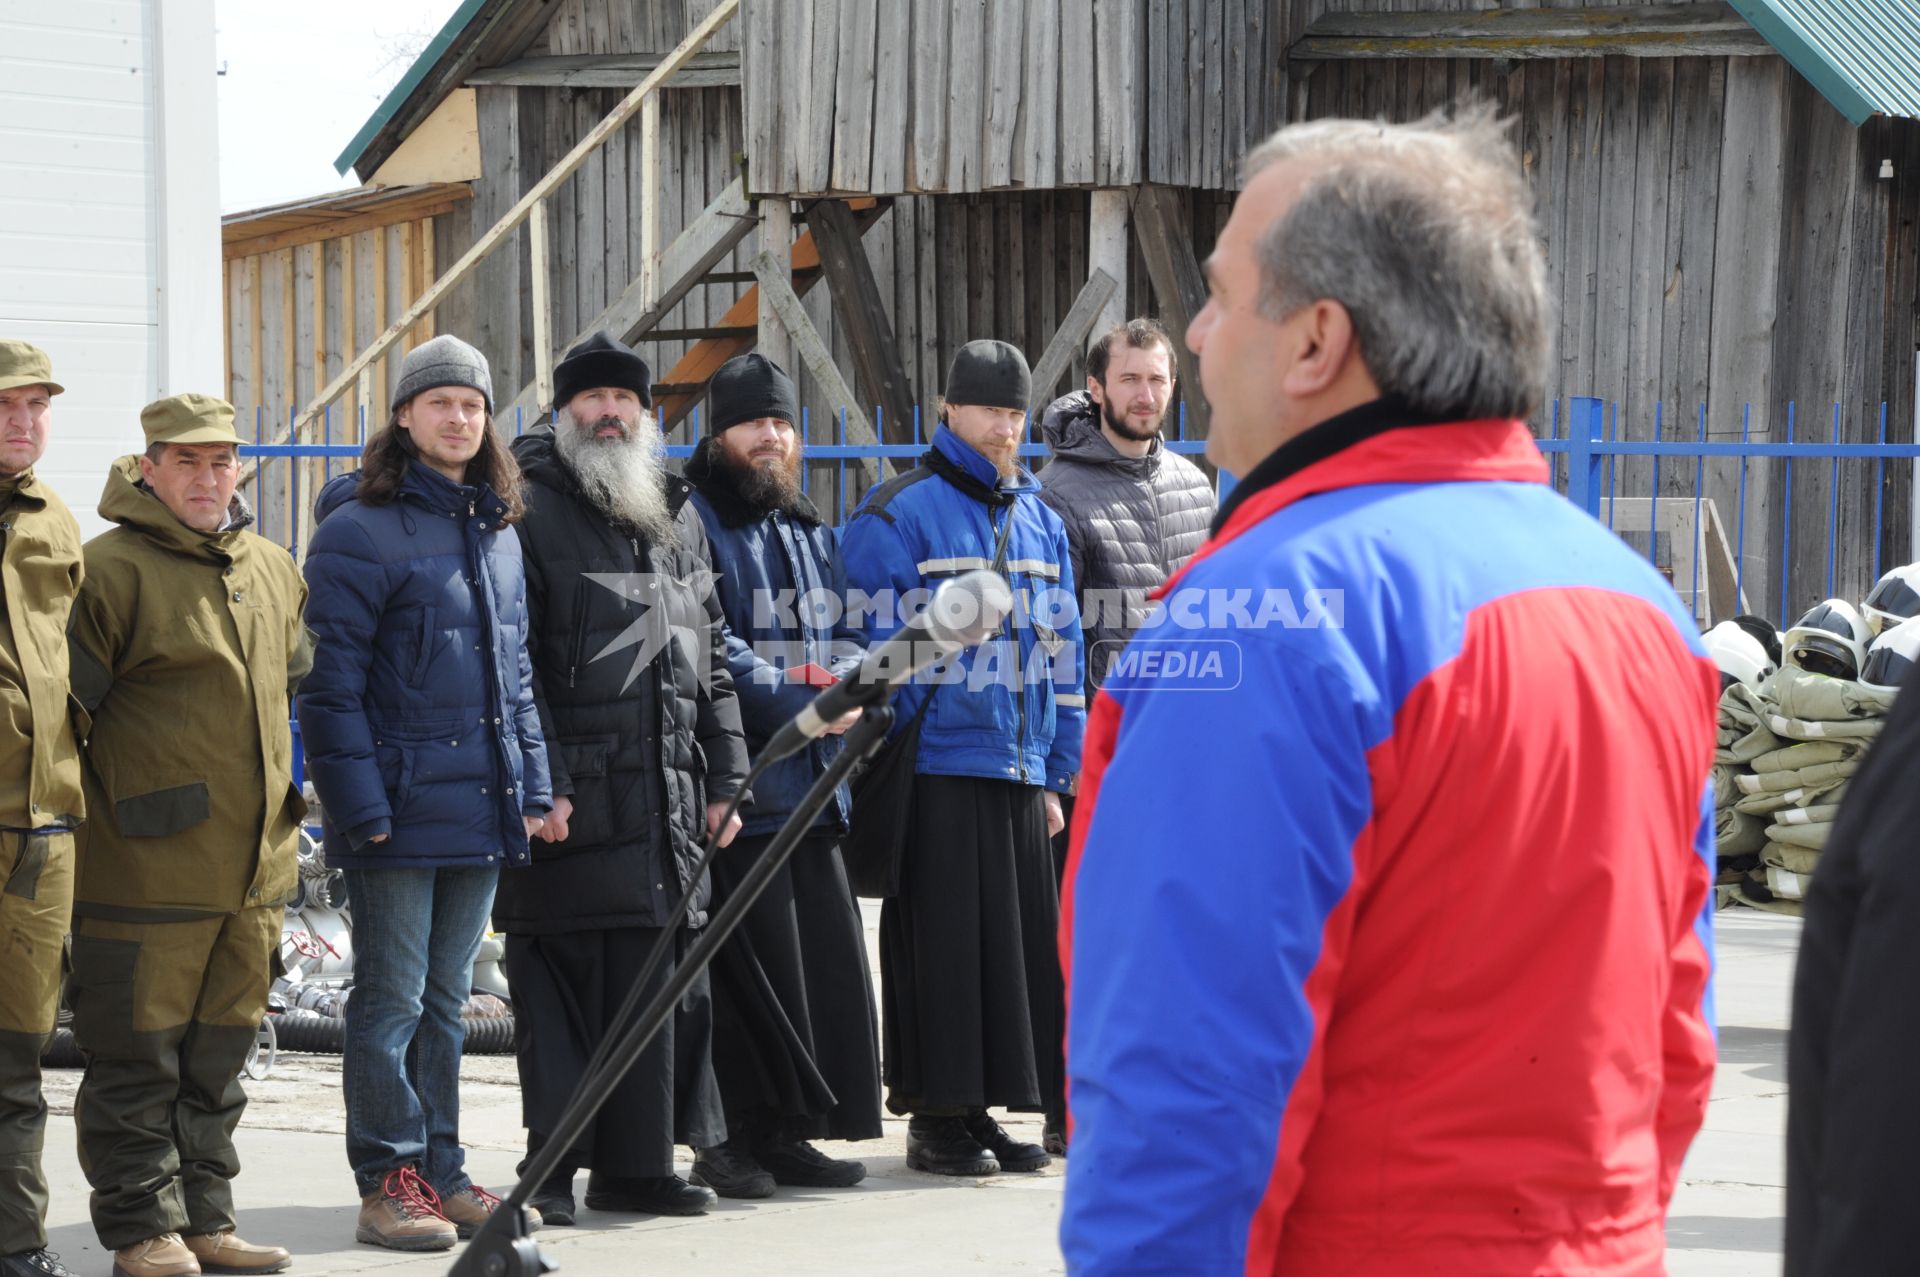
{"x": 1830, "y": 639}
{"x": 1893, "y": 656}
{"x": 1895, "y": 598}
{"x": 1739, "y": 655}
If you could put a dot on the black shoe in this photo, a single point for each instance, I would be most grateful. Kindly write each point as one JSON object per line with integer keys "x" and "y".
{"x": 33, "y": 1263}
{"x": 668, "y": 1195}
{"x": 1053, "y": 1136}
{"x": 554, "y": 1201}
{"x": 943, "y": 1146}
{"x": 799, "y": 1164}
{"x": 730, "y": 1172}
{"x": 1013, "y": 1154}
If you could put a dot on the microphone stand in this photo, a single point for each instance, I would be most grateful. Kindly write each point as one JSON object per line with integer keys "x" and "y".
{"x": 503, "y": 1246}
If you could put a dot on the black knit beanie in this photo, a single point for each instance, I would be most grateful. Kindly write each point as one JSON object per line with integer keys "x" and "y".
{"x": 748, "y": 388}
{"x": 601, "y": 361}
{"x": 990, "y": 374}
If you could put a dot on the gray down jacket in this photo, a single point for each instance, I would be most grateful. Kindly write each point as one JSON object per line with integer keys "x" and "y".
{"x": 1131, "y": 522}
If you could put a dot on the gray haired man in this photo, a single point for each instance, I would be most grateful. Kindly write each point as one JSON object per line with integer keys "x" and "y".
{"x": 1431, "y": 906}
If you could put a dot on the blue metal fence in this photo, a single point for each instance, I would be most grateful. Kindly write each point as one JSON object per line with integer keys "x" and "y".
{"x": 1583, "y": 438}
{"x": 1607, "y": 475}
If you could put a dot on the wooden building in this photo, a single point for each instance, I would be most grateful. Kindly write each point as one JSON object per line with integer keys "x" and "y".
{"x": 1727, "y": 193}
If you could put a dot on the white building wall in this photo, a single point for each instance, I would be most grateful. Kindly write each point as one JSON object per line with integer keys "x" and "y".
{"x": 109, "y": 217}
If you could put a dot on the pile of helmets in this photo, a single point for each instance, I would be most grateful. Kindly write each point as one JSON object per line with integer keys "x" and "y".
{"x": 1797, "y": 715}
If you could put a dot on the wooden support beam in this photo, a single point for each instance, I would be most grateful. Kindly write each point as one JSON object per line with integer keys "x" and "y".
{"x": 860, "y": 310}
{"x": 814, "y": 353}
{"x": 1161, "y": 224}
{"x": 696, "y": 39}
{"x": 776, "y": 237}
{"x": 651, "y": 190}
{"x": 542, "y": 305}
{"x": 812, "y": 348}
{"x": 698, "y": 365}
{"x": 713, "y": 235}
{"x": 1107, "y": 251}
{"x": 1072, "y": 333}
{"x": 611, "y": 71}
{"x": 1710, "y": 30}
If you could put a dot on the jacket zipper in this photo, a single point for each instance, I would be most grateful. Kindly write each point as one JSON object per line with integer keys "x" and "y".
{"x": 578, "y": 639}
{"x": 1019, "y": 682}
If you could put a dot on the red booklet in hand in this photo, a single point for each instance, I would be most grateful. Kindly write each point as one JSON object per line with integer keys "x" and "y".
{"x": 811, "y": 675}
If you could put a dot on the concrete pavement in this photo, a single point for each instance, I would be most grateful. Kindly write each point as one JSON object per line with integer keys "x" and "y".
{"x": 1726, "y": 1219}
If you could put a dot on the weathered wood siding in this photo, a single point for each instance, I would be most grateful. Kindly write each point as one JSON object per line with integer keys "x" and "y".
{"x": 628, "y": 26}
{"x": 964, "y": 96}
{"x": 296, "y": 315}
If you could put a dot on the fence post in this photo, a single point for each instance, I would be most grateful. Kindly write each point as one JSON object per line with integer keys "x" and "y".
{"x": 1586, "y": 422}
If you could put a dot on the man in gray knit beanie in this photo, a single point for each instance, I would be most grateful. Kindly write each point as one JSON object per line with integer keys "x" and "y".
{"x": 443, "y": 361}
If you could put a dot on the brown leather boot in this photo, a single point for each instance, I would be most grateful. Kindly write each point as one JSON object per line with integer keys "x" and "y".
{"x": 162, "y": 1256}
{"x": 472, "y": 1206}
{"x": 223, "y": 1252}
{"x": 404, "y": 1214}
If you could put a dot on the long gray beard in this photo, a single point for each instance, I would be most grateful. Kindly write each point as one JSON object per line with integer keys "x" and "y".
{"x": 625, "y": 479}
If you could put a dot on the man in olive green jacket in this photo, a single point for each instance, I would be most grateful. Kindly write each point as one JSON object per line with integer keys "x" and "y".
{"x": 187, "y": 641}
{"x": 40, "y": 794}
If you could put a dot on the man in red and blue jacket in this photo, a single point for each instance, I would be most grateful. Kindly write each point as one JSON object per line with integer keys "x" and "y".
{"x": 1387, "y": 921}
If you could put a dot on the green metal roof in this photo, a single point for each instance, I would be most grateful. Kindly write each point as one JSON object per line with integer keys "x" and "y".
{"x": 1862, "y": 55}
{"x": 408, "y": 83}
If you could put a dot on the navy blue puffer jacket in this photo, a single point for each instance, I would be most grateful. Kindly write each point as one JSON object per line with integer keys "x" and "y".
{"x": 784, "y": 594}
{"x": 418, "y": 719}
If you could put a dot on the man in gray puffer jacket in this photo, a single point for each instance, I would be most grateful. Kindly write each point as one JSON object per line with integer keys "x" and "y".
{"x": 1135, "y": 511}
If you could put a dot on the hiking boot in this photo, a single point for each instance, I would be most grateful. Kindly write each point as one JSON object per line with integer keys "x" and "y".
{"x": 473, "y": 1206}
{"x": 944, "y": 1146}
{"x": 222, "y": 1252}
{"x": 730, "y": 1172}
{"x": 799, "y": 1164}
{"x": 554, "y": 1201}
{"x": 1013, "y": 1154}
{"x": 162, "y": 1256}
{"x": 33, "y": 1263}
{"x": 404, "y": 1214}
{"x": 666, "y": 1195}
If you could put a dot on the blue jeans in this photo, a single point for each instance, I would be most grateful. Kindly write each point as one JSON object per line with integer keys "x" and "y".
{"x": 416, "y": 933}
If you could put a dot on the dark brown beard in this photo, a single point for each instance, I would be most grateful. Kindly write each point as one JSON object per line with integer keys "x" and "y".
{"x": 1121, "y": 426}
{"x": 765, "y": 487}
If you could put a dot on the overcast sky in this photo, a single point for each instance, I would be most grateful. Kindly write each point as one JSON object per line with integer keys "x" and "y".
{"x": 300, "y": 81}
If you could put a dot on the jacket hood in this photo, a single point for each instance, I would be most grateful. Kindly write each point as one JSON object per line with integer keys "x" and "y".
{"x": 1071, "y": 427}
{"x": 335, "y": 493}
{"x": 539, "y": 459}
{"x": 129, "y": 502}
{"x": 717, "y": 481}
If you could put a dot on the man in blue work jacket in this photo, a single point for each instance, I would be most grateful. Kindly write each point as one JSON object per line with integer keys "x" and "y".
{"x": 969, "y": 978}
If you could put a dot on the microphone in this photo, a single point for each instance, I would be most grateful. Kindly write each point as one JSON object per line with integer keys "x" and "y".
{"x": 965, "y": 610}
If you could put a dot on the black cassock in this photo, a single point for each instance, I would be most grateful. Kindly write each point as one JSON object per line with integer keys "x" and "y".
{"x": 795, "y": 1045}
{"x": 1852, "y": 1124}
{"x": 969, "y": 963}
{"x": 567, "y": 988}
